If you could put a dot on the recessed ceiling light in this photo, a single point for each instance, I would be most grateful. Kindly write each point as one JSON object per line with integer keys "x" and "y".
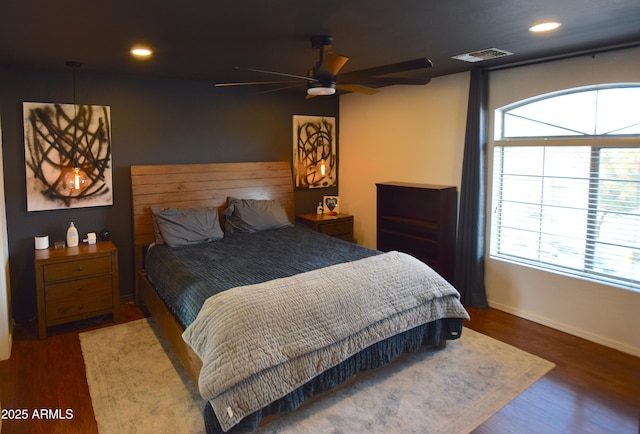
{"x": 545, "y": 27}
{"x": 141, "y": 51}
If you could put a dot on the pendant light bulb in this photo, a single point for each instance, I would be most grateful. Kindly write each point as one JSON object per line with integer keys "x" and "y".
{"x": 75, "y": 180}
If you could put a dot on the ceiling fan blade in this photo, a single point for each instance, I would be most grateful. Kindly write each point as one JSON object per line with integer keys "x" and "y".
{"x": 393, "y": 68}
{"x": 291, "y": 86}
{"x": 252, "y": 83}
{"x": 356, "y": 88}
{"x": 281, "y": 74}
{"x": 332, "y": 63}
{"x": 376, "y": 82}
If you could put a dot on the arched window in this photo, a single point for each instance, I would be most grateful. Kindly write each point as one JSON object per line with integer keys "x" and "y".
{"x": 566, "y": 183}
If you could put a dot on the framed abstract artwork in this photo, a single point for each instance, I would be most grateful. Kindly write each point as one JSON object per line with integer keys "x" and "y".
{"x": 67, "y": 151}
{"x": 315, "y": 162}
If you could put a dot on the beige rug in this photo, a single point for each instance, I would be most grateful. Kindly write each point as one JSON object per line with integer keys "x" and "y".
{"x": 136, "y": 388}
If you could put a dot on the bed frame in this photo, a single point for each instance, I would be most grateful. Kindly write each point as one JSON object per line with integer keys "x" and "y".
{"x": 193, "y": 186}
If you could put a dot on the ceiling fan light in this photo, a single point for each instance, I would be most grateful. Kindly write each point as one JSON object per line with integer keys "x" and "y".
{"x": 321, "y": 90}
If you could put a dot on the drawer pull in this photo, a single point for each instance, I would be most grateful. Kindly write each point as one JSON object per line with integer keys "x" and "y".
{"x": 79, "y": 269}
{"x": 80, "y": 307}
{"x": 80, "y": 288}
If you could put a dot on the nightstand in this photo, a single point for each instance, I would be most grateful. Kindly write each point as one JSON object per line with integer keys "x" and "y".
{"x": 75, "y": 283}
{"x": 339, "y": 226}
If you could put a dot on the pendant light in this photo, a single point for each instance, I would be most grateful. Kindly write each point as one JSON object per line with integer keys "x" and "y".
{"x": 323, "y": 167}
{"x": 74, "y": 178}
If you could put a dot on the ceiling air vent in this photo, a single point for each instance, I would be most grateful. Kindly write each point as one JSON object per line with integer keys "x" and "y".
{"x": 480, "y": 55}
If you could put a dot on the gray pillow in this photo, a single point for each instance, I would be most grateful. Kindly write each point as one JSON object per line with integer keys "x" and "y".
{"x": 180, "y": 227}
{"x": 254, "y": 215}
{"x": 157, "y": 235}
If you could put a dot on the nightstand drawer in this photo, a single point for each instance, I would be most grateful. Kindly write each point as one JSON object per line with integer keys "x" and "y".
{"x": 69, "y": 309}
{"x": 76, "y": 297}
{"x": 338, "y": 228}
{"x": 76, "y": 283}
{"x": 76, "y": 269}
{"x": 74, "y": 289}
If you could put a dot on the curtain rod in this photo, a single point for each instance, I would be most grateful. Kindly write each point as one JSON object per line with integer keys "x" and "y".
{"x": 591, "y": 52}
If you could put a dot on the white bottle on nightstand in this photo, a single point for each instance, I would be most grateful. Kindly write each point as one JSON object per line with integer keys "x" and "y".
{"x": 72, "y": 236}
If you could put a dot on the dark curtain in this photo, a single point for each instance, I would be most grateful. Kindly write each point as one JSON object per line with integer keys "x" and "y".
{"x": 470, "y": 243}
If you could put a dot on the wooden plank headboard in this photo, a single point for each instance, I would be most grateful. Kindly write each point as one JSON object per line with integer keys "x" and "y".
{"x": 199, "y": 185}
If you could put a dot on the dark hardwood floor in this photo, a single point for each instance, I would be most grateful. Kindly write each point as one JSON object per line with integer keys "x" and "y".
{"x": 49, "y": 375}
{"x": 592, "y": 389}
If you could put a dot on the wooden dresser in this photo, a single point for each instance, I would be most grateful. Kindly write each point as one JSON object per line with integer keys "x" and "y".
{"x": 339, "y": 226}
{"x": 419, "y": 219}
{"x": 74, "y": 283}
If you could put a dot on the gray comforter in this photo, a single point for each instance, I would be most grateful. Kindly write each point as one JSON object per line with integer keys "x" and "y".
{"x": 259, "y": 342}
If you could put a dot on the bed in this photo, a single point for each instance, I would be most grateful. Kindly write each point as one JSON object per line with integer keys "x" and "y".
{"x": 277, "y": 315}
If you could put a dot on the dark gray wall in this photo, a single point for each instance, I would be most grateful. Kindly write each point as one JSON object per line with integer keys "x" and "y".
{"x": 154, "y": 121}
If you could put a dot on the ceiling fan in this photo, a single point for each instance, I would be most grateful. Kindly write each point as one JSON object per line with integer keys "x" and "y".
{"x": 324, "y": 77}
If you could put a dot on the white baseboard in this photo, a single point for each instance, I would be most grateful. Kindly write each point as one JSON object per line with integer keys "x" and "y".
{"x": 620, "y": 346}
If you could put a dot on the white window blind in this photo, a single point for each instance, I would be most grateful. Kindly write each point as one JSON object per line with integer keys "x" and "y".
{"x": 568, "y": 204}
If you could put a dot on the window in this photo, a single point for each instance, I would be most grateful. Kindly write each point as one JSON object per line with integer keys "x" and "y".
{"x": 566, "y": 184}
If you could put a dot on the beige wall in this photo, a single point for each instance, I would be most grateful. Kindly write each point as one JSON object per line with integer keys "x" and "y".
{"x": 403, "y": 133}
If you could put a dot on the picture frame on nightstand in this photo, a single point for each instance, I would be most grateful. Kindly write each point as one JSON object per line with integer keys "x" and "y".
{"x": 331, "y": 205}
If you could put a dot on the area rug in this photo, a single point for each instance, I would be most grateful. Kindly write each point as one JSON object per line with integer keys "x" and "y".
{"x": 137, "y": 388}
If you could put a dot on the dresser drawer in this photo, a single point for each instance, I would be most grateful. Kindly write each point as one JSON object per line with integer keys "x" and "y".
{"x": 76, "y": 297}
{"x": 77, "y": 269}
{"x": 337, "y": 228}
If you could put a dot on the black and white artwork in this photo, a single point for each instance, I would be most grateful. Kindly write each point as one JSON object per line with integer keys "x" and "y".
{"x": 67, "y": 155}
{"x": 314, "y": 151}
